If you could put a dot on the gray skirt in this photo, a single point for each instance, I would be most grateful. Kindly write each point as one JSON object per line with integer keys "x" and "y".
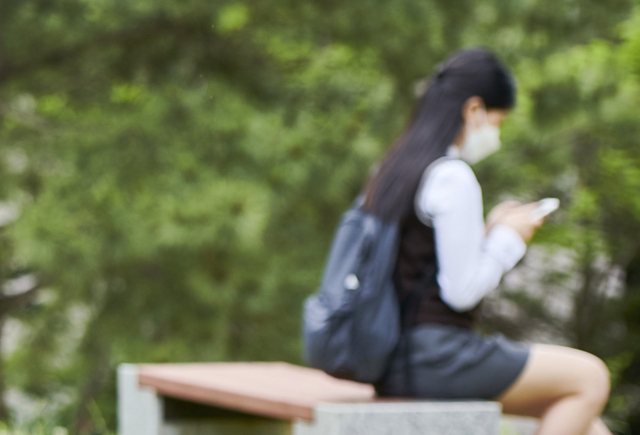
{"x": 450, "y": 362}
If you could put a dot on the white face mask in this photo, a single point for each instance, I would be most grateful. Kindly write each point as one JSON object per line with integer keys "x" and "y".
{"x": 480, "y": 142}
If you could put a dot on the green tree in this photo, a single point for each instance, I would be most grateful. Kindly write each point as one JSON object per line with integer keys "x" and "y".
{"x": 179, "y": 167}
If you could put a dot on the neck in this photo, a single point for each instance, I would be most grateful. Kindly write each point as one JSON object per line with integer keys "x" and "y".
{"x": 459, "y": 139}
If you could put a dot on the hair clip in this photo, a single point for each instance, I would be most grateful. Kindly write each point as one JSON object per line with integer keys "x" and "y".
{"x": 420, "y": 87}
{"x": 440, "y": 70}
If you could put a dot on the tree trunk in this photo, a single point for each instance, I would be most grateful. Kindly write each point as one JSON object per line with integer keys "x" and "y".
{"x": 10, "y": 304}
{"x": 97, "y": 380}
{"x": 588, "y": 302}
{"x": 4, "y": 413}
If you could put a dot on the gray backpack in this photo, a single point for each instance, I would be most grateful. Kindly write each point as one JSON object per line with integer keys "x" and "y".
{"x": 351, "y": 326}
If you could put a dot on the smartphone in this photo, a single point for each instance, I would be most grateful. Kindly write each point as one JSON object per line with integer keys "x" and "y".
{"x": 545, "y": 206}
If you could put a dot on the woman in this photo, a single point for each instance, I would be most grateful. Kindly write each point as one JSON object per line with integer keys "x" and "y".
{"x": 440, "y": 208}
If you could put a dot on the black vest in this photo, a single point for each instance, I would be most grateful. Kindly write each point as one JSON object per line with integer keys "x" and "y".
{"x": 416, "y": 254}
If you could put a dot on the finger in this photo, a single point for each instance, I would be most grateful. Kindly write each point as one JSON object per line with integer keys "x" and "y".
{"x": 534, "y": 203}
{"x": 504, "y": 207}
{"x": 537, "y": 222}
{"x": 524, "y": 212}
{"x": 509, "y": 204}
{"x": 542, "y": 220}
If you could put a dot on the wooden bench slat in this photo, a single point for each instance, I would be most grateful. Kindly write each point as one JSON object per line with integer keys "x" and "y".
{"x": 278, "y": 390}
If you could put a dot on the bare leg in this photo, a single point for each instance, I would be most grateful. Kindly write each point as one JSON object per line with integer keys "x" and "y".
{"x": 599, "y": 428}
{"x": 566, "y": 388}
{"x": 569, "y": 415}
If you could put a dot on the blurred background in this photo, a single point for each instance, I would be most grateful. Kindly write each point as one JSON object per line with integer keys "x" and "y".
{"x": 172, "y": 172}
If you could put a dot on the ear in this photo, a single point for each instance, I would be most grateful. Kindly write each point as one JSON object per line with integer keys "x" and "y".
{"x": 470, "y": 111}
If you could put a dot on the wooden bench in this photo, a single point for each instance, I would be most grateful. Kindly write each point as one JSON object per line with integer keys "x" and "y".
{"x": 279, "y": 399}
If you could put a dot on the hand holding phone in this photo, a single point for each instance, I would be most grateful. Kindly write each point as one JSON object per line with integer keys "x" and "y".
{"x": 545, "y": 207}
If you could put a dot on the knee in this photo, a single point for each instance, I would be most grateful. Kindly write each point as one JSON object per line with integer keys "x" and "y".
{"x": 597, "y": 383}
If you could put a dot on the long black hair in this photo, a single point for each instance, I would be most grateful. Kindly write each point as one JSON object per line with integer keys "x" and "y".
{"x": 435, "y": 123}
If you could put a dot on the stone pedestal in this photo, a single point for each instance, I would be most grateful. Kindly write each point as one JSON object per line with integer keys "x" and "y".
{"x": 407, "y": 418}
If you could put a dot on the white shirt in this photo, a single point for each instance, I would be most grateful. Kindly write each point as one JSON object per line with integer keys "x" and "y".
{"x": 470, "y": 263}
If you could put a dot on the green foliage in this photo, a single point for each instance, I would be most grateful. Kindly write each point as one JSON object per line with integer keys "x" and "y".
{"x": 180, "y": 166}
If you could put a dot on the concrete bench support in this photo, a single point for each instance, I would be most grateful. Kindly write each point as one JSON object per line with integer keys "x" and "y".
{"x": 140, "y": 409}
{"x": 206, "y": 400}
{"x": 407, "y": 418}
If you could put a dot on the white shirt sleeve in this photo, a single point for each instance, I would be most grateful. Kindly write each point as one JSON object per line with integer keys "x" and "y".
{"x": 470, "y": 264}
